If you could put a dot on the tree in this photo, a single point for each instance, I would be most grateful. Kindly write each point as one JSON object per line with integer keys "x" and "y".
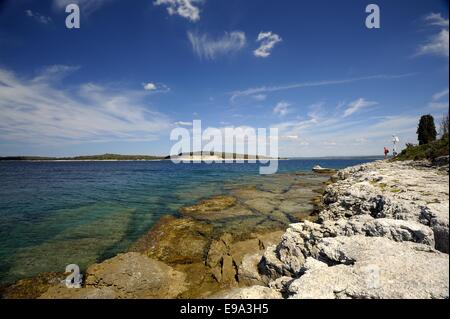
{"x": 427, "y": 130}
{"x": 443, "y": 131}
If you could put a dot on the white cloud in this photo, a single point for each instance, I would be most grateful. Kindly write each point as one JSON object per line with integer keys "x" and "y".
{"x": 156, "y": 87}
{"x": 267, "y": 89}
{"x": 184, "y": 8}
{"x": 361, "y": 140}
{"x": 181, "y": 123}
{"x": 289, "y": 137}
{"x": 334, "y": 135}
{"x": 259, "y": 97}
{"x": 38, "y": 17}
{"x": 440, "y": 95}
{"x": 86, "y": 6}
{"x": 438, "y": 105}
{"x": 54, "y": 73}
{"x": 340, "y": 105}
{"x": 330, "y": 143}
{"x": 437, "y": 44}
{"x": 38, "y": 112}
{"x": 436, "y": 100}
{"x": 150, "y": 86}
{"x": 206, "y": 47}
{"x": 436, "y": 19}
{"x": 268, "y": 41}
{"x": 282, "y": 109}
{"x": 357, "y": 105}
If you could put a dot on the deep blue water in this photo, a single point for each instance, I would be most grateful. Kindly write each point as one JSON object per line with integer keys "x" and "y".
{"x": 56, "y": 213}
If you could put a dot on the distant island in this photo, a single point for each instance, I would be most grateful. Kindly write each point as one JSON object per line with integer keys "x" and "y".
{"x": 212, "y": 156}
{"x": 193, "y": 156}
{"x": 104, "y": 157}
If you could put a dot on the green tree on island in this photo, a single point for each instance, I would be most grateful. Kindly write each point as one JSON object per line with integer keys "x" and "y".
{"x": 427, "y": 130}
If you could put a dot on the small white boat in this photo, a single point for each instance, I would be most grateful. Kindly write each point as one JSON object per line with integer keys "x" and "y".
{"x": 320, "y": 169}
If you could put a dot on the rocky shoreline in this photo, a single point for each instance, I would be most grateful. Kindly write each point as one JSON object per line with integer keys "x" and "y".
{"x": 380, "y": 231}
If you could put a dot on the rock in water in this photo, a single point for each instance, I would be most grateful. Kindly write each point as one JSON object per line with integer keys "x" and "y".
{"x": 176, "y": 241}
{"x": 133, "y": 275}
{"x": 321, "y": 170}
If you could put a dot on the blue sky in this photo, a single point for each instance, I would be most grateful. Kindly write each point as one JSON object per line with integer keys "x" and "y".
{"x": 137, "y": 69}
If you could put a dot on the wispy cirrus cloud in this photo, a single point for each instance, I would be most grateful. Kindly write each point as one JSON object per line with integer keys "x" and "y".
{"x": 259, "y": 97}
{"x": 38, "y": 17}
{"x": 438, "y": 43}
{"x": 439, "y": 95}
{"x": 358, "y": 105}
{"x": 438, "y": 101}
{"x": 267, "y": 89}
{"x": 436, "y": 19}
{"x": 86, "y": 6}
{"x": 184, "y": 8}
{"x": 282, "y": 108}
{"x": 323, "y": 132}
{"x": 438, "y": 105}
{"x": 35, "y": 111}
{"x": 183, "y": 123}
{"x": 267, "y": 41}
{"x": 206, "y": 47}
{"x": 54, "y": 73}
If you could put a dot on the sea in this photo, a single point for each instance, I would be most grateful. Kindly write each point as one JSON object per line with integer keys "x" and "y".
{"x": 57, "y": 213}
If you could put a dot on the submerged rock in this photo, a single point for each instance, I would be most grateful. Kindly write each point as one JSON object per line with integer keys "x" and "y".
{"x": 133, "y": 275}
{"x": 214, "y": 214}
{"x": 209, "y": 206}
{"x": 32, "y": 288}
{"x": 176, "y": 241}
{"x": 323, "y": 170}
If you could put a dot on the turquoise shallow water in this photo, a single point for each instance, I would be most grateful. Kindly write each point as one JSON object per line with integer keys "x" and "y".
{"x": 56, "y": 213}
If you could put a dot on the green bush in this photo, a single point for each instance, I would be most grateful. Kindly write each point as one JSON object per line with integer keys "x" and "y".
{"x": 426, "y": 151}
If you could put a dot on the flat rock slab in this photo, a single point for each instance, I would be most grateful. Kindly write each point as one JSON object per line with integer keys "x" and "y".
{"x": 373, "y": 267}
{"x": 60, "y": 292}
{"x": 133, "y": 275}
{"x": 254, "y": 292}
{"x": 216, "y": 203}
{"x": 176, "y": 240}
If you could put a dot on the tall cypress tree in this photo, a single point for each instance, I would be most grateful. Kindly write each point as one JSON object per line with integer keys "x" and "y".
{"x": 427, "y": 130}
